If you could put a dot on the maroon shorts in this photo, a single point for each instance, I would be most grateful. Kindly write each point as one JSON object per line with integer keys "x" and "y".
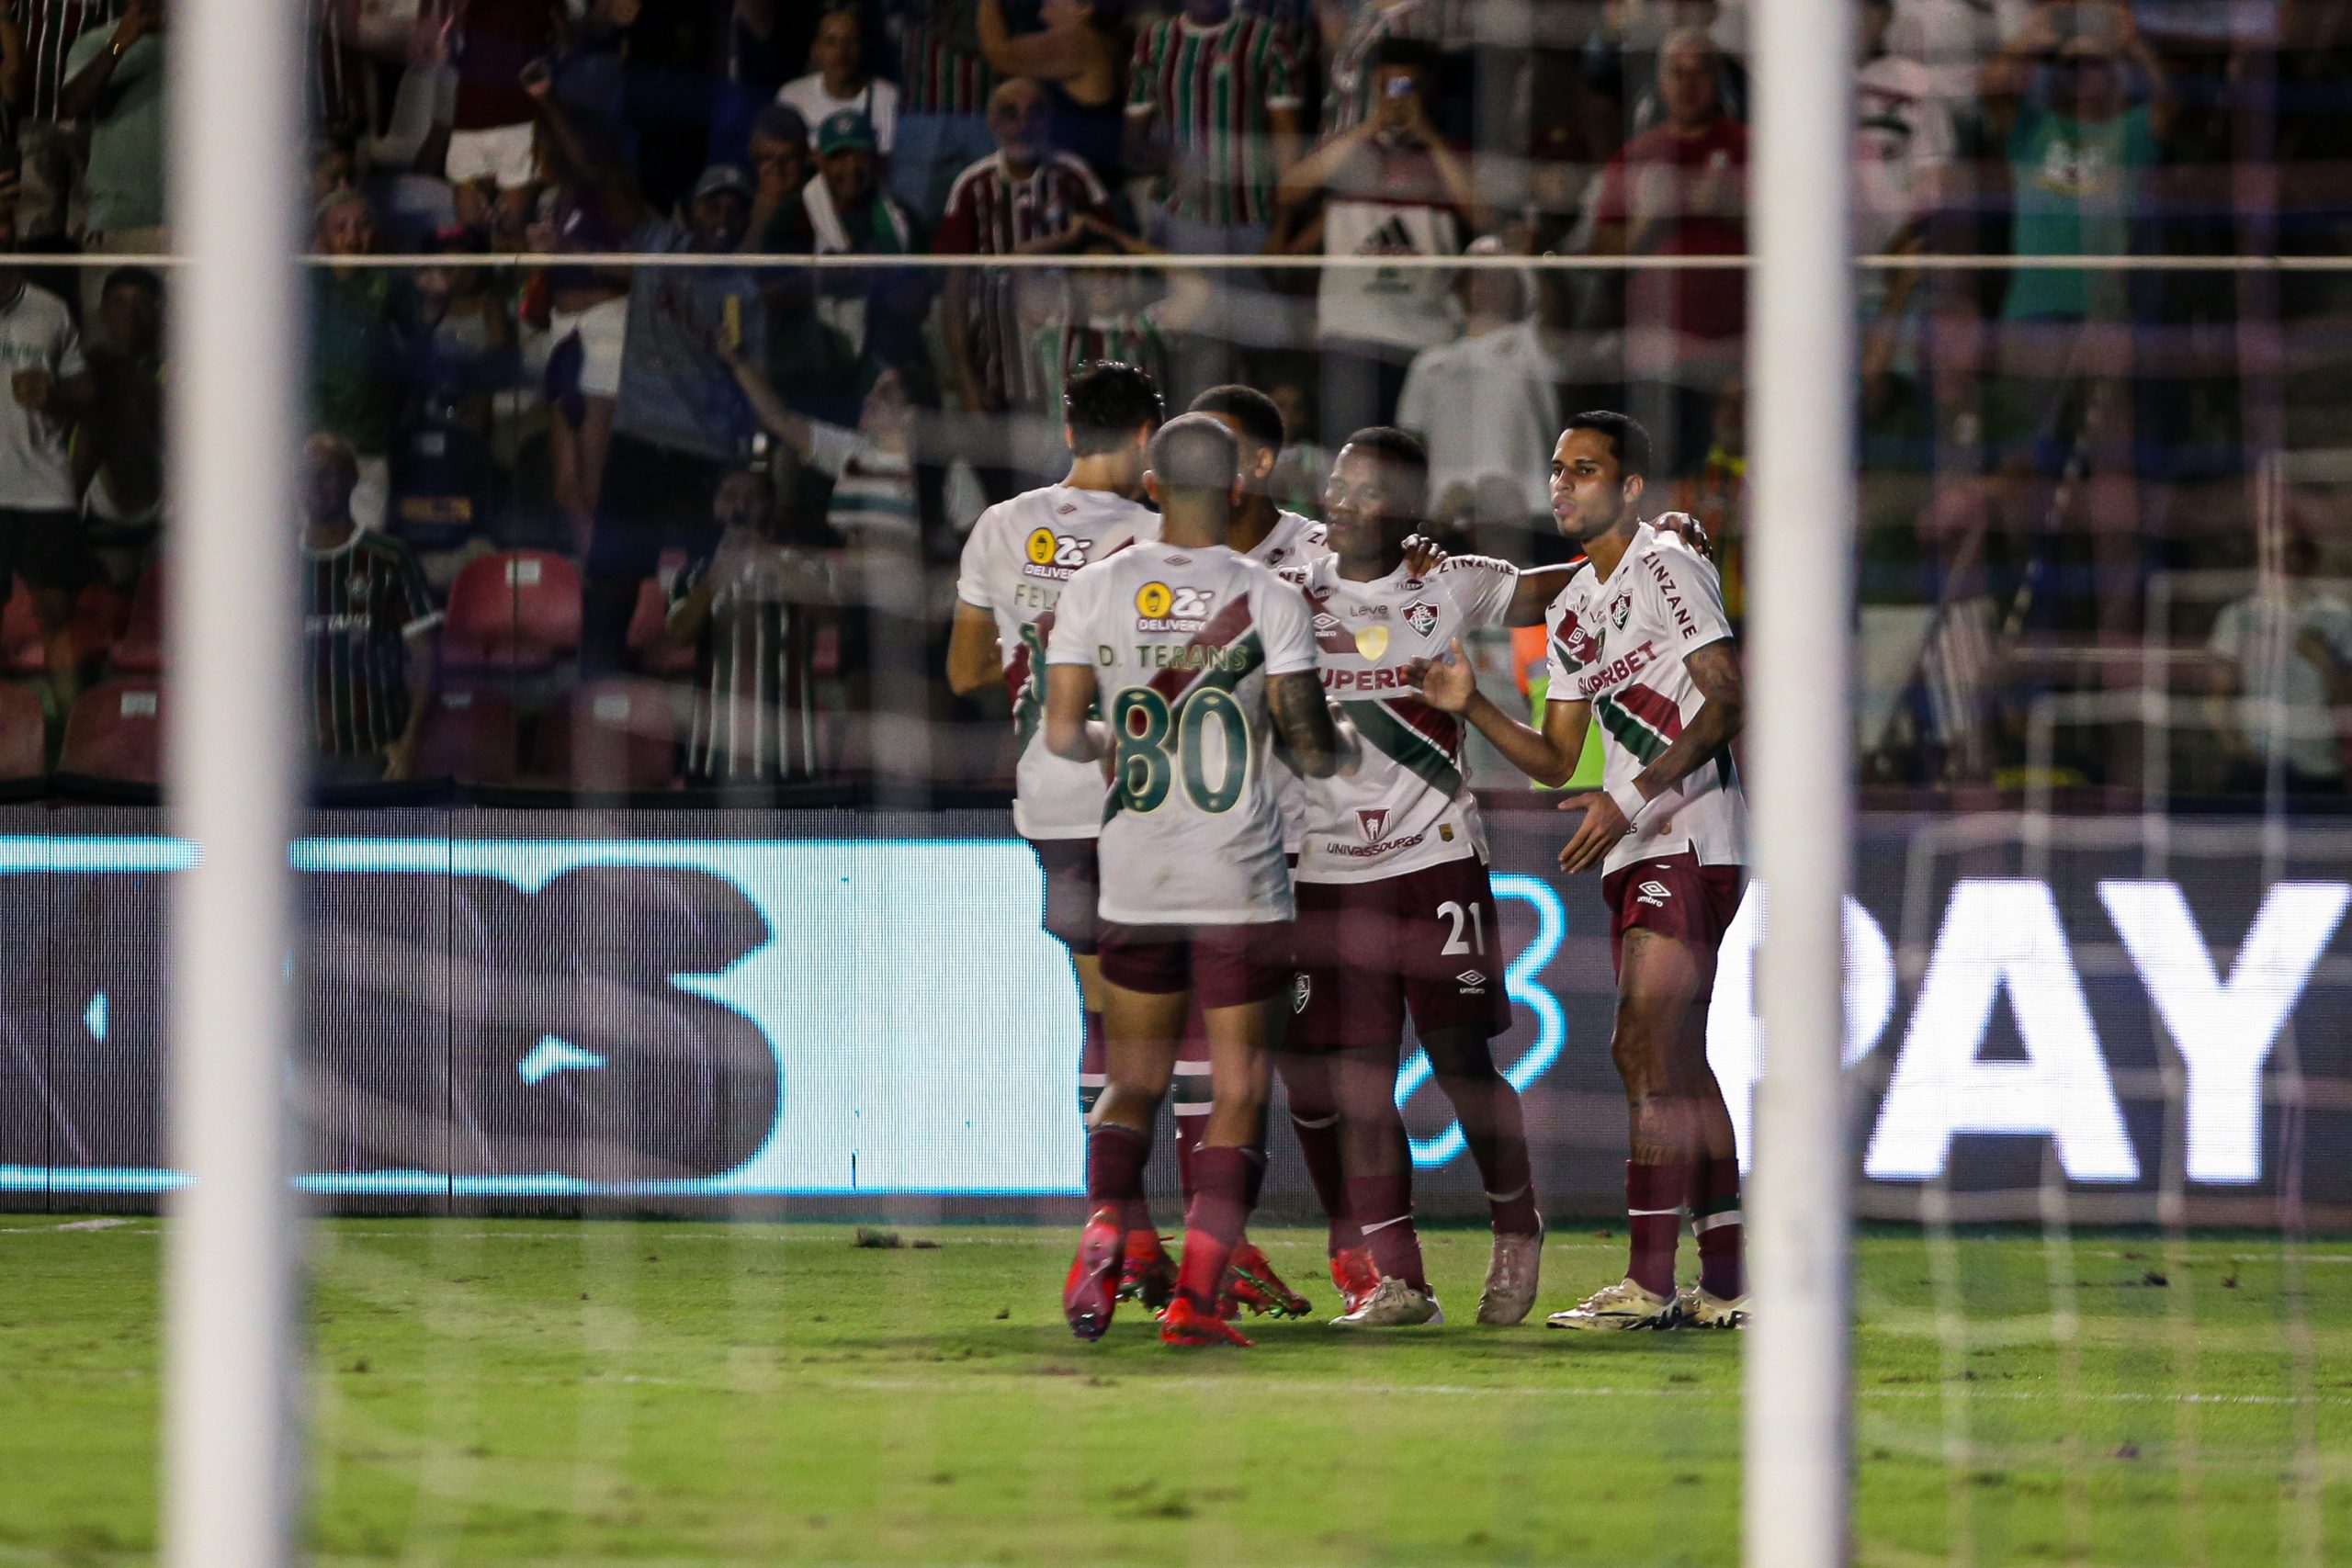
{"x": 1427, "y": 942}
{"x": 1223, "y": 966}
{"x": 1673, "y": 895}
{"x": 1073, "y": 883}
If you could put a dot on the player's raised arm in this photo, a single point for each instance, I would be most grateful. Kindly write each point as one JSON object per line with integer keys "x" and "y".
{"x": 1549, "y": 756}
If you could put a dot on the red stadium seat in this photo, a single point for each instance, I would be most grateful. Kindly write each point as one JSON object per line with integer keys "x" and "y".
{"x": 115, "y": 731}
{"x": 98, "y": 613}
{"x": 20, "y": 645}
{"x": 24, "y": 736}
{"x": 140, "y": 651}
{"x": 613, "y": 735}
{"x": 469, "y": 736}
{"x": 514, "y": 611}
{"x": 650, "y": 648}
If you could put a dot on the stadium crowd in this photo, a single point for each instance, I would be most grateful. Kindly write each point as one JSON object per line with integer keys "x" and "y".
{"x": 705, "y": 515}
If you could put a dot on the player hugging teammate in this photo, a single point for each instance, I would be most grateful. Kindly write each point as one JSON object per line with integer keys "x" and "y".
{"x": 1179, "y": 668}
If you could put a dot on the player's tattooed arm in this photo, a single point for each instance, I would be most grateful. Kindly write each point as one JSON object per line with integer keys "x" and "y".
{"x": 1549, "y": 755}
{"x": 1069, "y": 699}
{"x": 1316, "y": 741}
{"x": 1715, "y": 669}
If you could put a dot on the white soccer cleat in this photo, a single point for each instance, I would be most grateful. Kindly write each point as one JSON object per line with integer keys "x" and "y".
{"x": 1393, "y": 1304}
{"x": 1513, "y": 1269}
{"x": 1703, "y": 1309}
{"x": 1622, "y": 1306}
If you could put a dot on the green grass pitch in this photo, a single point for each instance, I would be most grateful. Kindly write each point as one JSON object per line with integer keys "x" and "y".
{"x": 609, "y": 1393}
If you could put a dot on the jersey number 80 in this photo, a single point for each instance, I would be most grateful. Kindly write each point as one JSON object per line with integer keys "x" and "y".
{"x": 1149, "y": 756}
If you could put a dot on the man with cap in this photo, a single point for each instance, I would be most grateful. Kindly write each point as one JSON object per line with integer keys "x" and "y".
{"x": 679, "y": 420}
{"x": 849, "y": 214}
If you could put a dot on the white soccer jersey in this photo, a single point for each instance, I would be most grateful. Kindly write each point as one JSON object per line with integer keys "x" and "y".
{"x": 1021, "y": 553}
{"x": 1407, "y": 806}
{"x": 1620, "y": 644}
{"x": 1181, "y": 641}
{"x": 1293, "y": 544}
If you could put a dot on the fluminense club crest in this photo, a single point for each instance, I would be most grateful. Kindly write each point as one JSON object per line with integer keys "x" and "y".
{"x": 1422, "y": 615}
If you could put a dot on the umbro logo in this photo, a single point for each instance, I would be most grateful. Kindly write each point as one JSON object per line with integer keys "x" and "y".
{"x": 1473, "y": 983}
{"x": 1180, "y": 561}
{"x": 1064, "y": 510}
{"x": 1326, "y": 622}
{"x": 1654, "y": 893}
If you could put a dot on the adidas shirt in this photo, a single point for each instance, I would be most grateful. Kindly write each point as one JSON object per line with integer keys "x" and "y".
{"x": 1293, "y": 544}
{"x": 1181, "y": 641}
{"x": 1619, "y": 644}
{"x": 1407, "y": 807}
{"x": 1021, "y": 555}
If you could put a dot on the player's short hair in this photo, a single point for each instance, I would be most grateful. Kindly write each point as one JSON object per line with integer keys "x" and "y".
{"x": 1106, "y": 402}
{"x": 1251, "y": 409}
{"x": 1626, "y": 438}
{"x": 1194, "y": 454}
{"x": 1405, "y": 461}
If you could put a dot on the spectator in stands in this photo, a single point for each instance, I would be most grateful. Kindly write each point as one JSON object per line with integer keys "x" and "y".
{"x": 1487, "y": 406}
{"x": 2282, "y": 667}
{"x": 587, "y": 334}
{"x": 53, "y": 146}
{"x": 1212, "y": 104}
{"x": 1026, "y": 199}
{"x": 1903, "y": 143}
{"x": 678, "y": 420}
{"x": 1354, "y": 36}
{"x": 1077, "y": 58}
{"x": 1681, "y": 189}
{"x": 879, "y": 313}
{"x": 1389, "y": 187}
{"x": 782, "y": 164}
{"x": 2057, "y": 99}
{"x": 492, "y": 157}
{"x": 369, "y": 624}
{"x": 750, "y": 609}
{"x": 114, "y": 77}
{"x": 118, "y": 458}
{"x": 944, "y": 86}
{"x": 42, "y": 535}
{"x": 354, "y": 392}
{"x": 838, "y": 79}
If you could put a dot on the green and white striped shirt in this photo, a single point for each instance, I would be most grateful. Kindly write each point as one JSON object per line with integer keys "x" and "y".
{"x": 1214, "y": 93}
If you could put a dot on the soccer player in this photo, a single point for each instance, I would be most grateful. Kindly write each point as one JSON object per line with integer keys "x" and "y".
{"x": 1261, "y": 530}
{"x": 1639, "y": 640}
{"x": 1021, "y": 555}
{"x": 1200, "y": 659}
{"x": 1395, "y": 911}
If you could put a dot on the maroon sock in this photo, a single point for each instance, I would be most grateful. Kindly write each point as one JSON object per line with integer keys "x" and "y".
{"x": 1114, "y": 1162}
{"x": 1093, "y": 1063}
{"x": 1384, "y": 1206}
{"x": 1715, "y": 1214}
{"x": 1654, "y": 1197}
{"x": 1193, "y": 1099}
{"x": 1319, "y": 1140}
{"x": 1496, "y": 1130}
{"x": 1214, "y": 1220}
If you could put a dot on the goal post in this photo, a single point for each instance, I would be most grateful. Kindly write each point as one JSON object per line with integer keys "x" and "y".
{"x": 233, "y": 1366}
{"x": 1797, "y": 1476}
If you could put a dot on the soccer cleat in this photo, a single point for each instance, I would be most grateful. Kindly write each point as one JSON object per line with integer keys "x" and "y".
{"x": 1188, "y": 1328}
{"x": 1393, "y": 1304}
{"x": 1250, "y": 1281}
{"x": 1091, "y": 1291}
{"x": 1513, "y": 1270}
{"x": 1354, "y": 1272}
{"x": 1622, "y": 1306}
{"x": 1146, "y": 1273}
{"x": 1701, "y": 1308}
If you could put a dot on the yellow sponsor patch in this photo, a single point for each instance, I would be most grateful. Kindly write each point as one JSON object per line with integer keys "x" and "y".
{"x": 1041, "y": 547}
{"x": 1371, "y": 641}
{"x": 1152, "y": 599}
